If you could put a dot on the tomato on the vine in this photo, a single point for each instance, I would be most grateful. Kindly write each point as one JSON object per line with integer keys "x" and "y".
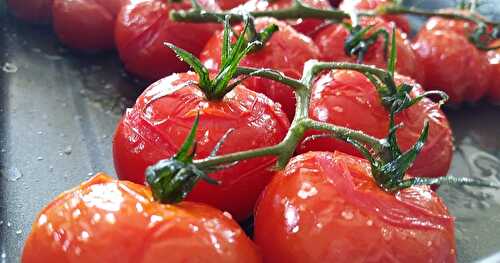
{"x": 156, "y": 126}
{"x": 106, "y": 220}
{"x": 35, "y": 11}
{"x": 143, "y": 26}
{"x": 326, "y": 207}
{"x": 286, "y": 51}
{"x": 86, "y": 25}
{"x": 349, "y": 99}
{"x": 331, "y": 41}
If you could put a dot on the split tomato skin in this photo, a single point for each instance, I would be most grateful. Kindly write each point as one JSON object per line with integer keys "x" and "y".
{"x": 286, "y": 51}
{"x": 325, "y": 207}
{"x": 33, "y": 11}
{"x": 141, "y": 29}
{"x": 349, "y": 99}
{"x": 86, "y": 25}
{"x": 331, "y": 39}
{"x": 162, "y": 117}
{"x": 103, "y": 220}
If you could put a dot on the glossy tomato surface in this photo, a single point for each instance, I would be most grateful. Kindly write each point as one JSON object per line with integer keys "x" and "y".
{"x": 143, "y": 27}
{"x": 451, "y": 63}
{"x": 325, "y": 207}
{"x": 494, "y": 64}
{"x": 34, "y": 11}
{"x": 106, "y": 220}
{"x": 228, "y": 4}
{"x": 157, "y": 125}
{"x": 331, "y": 41}
{"x": 304, "y": 26}
{"x": 286, "y": 51}
{"x": 86, "y": 25}
{"x": 349, "y": 99}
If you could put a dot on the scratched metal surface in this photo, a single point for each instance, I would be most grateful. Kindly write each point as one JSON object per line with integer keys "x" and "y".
{"x": 58, "y": 111}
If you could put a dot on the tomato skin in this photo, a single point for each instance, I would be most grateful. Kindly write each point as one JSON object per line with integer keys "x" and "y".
{"x": 228, "y": 4}
{"x": 494, "y": 65}
{"x": 104, "y": 219}
{"x": 400, "y": 21}
{"x": 142, "y": 28}
{"x": 286, "y": 51}
{"x": 330, "y": 42}
{"x": 349, "y": 99}
{"x": 96, "y": 18}
{"x": 451, "y": 63}
{"x": 34, "y": 11}
{"x": 325, "y": 207}
{"x": 157, "y": 125}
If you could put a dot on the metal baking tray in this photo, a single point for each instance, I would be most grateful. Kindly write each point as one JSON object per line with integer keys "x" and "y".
{"x": 58, "y": 111}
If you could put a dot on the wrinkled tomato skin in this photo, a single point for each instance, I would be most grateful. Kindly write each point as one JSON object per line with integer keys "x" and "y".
{"x": 400, "y": 21}
{"x": 286, "y": 51}
{"x": 143, "y": 27}
{"x": 325, "y": 207}
{"x": 103, "y": 220}
{"x": 494, "y": 65}
{"x": 451, "y": 63}
{"x": 86, "y": 25}
{"x": 330, "y": 42}
{"x": 307, "y": 27}
{"x": 33, "y": 11}
{"x": 157, "y": 125}
{"x": 349, "y": 99}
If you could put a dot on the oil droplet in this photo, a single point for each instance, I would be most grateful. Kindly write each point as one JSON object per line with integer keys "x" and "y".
{"x": 68, "y": 150}
{"x": 39, "y": 158}
{"x": 19, "y": 231}
{"x": 347, "y": 215}
{"x": 8, "y": 224}
{"x": 9, "y": 67}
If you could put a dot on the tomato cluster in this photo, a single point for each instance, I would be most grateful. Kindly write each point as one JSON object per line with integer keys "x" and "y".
{"x": 326, "y": 204}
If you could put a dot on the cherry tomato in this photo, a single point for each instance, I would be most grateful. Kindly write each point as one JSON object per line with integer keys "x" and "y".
{"x": 143, "y": 27}
{"x": 349, "y": 99}
{"x": 34, "y": 11}
{"x": 304, "y": 26}
{"x": 451, "y": 64}
{"x": 156, "y": 126}
{"x": 325, "y": 207}
{"x": 103, "y": 220}
{"x": 399, "y": 20}
{"x": 228, "y": 4}
{"x": 494, "y": 64}
{"x": 86, "y": 25}
{"x": 286, "y": 51}
{"x": 331, "y": 44}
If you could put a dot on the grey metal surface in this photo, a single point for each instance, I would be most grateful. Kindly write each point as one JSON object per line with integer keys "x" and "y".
{"x": 58, "y": 111}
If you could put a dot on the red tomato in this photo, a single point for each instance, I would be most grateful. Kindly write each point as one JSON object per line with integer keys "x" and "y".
{"x": 228, "y": 4}
{"x": 399, "y": 20}
{"x": 304, "y": 26}
{"x": 105, "y": 220}
{"x": 451, "y": 64}
{"x": 86, "y": 25}
{"x": 143, "y": 27}
{"x": 331, "y": 44}
{"x": 35, "y": 11}
{"x": 156, "y": 126}
{"x": 325, "y": 207}
{"x": 286, "y": 51}
{"x": 494, "y": 64}
{"x": 349, "y": 99}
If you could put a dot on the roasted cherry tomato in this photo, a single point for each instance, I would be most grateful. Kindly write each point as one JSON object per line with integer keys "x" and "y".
{"x": 349, "y": 99}
{"x": 286, "y": 51}
{"x": 228, "y": 4}
{"x": 331, "y": 44}
{"x": 494, "y": 64}
{"x": 142, "y": 27}
{"x": 34, "y": 11}
{"x": 86, "y": 25}
{"x": 304, "y": 26}
{"x": 325, "y": 207}
{"x": 451, "y": 63}
{"x": 156, "y": 126}
{"x": 399, "y": 20}
{"x": 105, "y": 220}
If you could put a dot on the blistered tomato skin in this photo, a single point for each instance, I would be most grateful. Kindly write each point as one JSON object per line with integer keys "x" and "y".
{"x": 330, "y": 42}
{"x": 86, "y": 25}
{"x": 103, "y": 220}
{"x": 157, "y": 125}
{"x": 325, "y": 207}
{"x": 349, "y": 99}
{"x": 33, "y": 11}
{"x": 286, "y": 51}
{"x": 141, "y": 29}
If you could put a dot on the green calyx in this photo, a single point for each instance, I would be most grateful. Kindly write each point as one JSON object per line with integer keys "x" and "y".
{"x": 358, "y": 42}
{"x": 217, "y": 87}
